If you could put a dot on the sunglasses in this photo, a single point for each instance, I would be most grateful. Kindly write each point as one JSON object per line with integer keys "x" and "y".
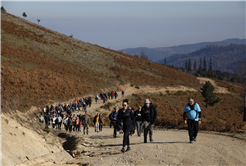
{"x": 124, "y": 105}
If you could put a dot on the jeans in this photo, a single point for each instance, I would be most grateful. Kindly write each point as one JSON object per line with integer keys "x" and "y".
{"x": 193, "y": 128}
{"x": 148, "y": 127}
{"x": 86, "y": 127}
{"x": 139, "y": 127}
{"x": 126, "y": 130}
{"x": 97, "y": 127}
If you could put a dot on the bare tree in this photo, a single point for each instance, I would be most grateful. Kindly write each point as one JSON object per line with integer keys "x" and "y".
{"x": 144, "y": 56}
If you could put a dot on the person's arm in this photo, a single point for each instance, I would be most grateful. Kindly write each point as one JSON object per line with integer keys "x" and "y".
{"x": 184, "y": 115}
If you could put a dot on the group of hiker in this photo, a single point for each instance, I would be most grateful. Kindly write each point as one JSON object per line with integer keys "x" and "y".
{"x": 106, "y": 97}
{"x": 123, "y": 120}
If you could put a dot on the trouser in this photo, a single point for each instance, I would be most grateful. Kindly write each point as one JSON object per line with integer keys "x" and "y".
{"x": 59, "y": 125}
{"x": 115, "y": 128}
{"x": 112, "y": 97}
{"x": 86, "y": 127}
{"x": 193, "y": 128}
{"x": 148, "y": 127}
{"x": 126, "y": 130}
{"x": 96, "y": 101}
{"x": 100, "y": 127}
{"x": 66, "y": 127}
{"x": 97, "y": 127}
{"x": 70, "y": 128}
{"x": 77, "y": 128}
{"x": 139, "y": 127}
{"x": 53, "y": 124}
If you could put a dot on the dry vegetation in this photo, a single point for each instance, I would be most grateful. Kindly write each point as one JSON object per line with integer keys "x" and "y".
{"x": 40, "y": 65}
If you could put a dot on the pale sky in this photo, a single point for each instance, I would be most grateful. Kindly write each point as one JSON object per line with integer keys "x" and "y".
{"x": 120, "y": 25}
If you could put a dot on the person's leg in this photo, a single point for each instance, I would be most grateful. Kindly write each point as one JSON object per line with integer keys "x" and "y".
{"x": 87, "y": 129}
{"x": 150, "y": 132}
{"x": 196, "y": 128}
{"x": 138, "y": 127}
{"x": 141, "y": 127}
{"x": 115, "y": 133}
{"x": 83, "y": 129}
{"x": 190, "y": 129}
{"x": 146, "y": 128}
{"x": 97, "y": 127}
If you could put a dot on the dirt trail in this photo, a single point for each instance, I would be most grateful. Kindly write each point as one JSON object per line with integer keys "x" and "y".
{"x": 170, "y": 147}
{"x": 218, "y": 89}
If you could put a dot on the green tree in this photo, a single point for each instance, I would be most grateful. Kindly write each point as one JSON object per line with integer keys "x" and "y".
{"x": 2, "y": 8}
{"x": 24, "y": 14}
{"x": 200, "y": 66}
{"x": 195, "y": 64}
{"x": 205, "y": 64}
{"x": 189, "y": 65}
{"x": 208, "y": 94}
{"x": 144, "y": 56}
{"x": 165, "y": 61}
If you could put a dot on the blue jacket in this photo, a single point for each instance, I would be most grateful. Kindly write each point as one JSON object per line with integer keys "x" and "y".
{"x": 114, "y": 114}
{"x": 192, "y": 114}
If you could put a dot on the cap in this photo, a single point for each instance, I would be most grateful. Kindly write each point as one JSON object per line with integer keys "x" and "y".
{"x": 147, "y": 101}
{"x": 140, "y": 107}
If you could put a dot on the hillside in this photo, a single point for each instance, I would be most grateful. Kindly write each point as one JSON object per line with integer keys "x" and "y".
{"x": 41, "y": 66}
{"x": 158, "y": 54}
{"x": 225, "y": 58}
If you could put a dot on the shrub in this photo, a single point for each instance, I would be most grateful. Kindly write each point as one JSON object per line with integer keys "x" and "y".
{"x": 46, "y": 129}
{"x": 137, "y": 87}
{"x": 132, "y": 84}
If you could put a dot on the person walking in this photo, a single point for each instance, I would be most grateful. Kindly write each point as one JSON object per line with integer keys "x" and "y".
{"x": 54, "y": 122}
{"x": 65, "y": 122}
{"x": 70, "y": 123}
{"x": 77, "y": 124}
{"x": 149, "y": 115}
{"x": 102, "y": 122}
{"x": 139, "y": 122}
{"x": 85, "y": 123}
{"x": 126, "y": 118}
{"x": 96, "y": 121}
{"x": 193, "y": 111}
{"x": 113, "y": 118}
{"x": 122, "y": 93}
{"x": 115, "y": 95}
{"x": 112, "y": 95}
{"x": 84, "y": 106}
{"x": 96, "y": 99}
{"x": 59, "y": 121}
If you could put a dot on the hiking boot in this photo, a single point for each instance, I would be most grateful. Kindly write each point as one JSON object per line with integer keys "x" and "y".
{"x": 128, "y": 148}
{"x": 114, "y": 136}
{"x": 123, "y": 150}
{"x": 194, "y": 139}
{"x": 191, "y": 141}
{"x": 151, "y": 140}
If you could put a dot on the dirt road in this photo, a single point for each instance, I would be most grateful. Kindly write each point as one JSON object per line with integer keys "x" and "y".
{"x": 170, "y": 147}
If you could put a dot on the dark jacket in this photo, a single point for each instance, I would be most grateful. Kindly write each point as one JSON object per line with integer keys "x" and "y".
{"x": 153, "y": 114}
{"x": 126, "y": 117}
{"x": 138, "y": 115}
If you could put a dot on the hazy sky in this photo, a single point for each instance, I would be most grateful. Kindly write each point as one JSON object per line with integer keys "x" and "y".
{"x": 120, "y": 25}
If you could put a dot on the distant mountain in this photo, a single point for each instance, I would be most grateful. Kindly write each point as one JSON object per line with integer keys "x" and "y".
{"x": 158, "y": 54}
{"x": 224, "y": 58}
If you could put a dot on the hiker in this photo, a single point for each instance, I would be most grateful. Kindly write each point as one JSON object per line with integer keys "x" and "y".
{"x": 65, "y": 122}
{"x": 47, "y": 120}
{"x": 59, "y": 121}
{"x": 193, "y": 118}
{"x": 89, "y": 101}
{"x": 122, "y": 93}
{"x": 102, "y": 122}
{"x": 77, "y": 124}
{"x": 113, "y": 118}
{"x": 84, "y": 106}
{"x": 109, "y": 94}
{"x": 97, "y": 121}
{"x": 53, "y": 122}
{"x": 41, "y": 118}
{"x": 85, "y": 123}
{"x": 96, "y": 99}
{"x": 115, "y": 95}
{"x": 78, "y": 105}
{"x": 73, "y": 120}
{"x": 126, "y": 118}
{"x": 112, "y": 95}
{"x": 70, "y": 123}
{"x": 104, "y": 99}
{"x": 149, "y": 115}
{"x": 138, "y": 118}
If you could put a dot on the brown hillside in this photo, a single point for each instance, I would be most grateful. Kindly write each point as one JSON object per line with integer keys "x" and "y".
{"x": 41, "y": 65}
